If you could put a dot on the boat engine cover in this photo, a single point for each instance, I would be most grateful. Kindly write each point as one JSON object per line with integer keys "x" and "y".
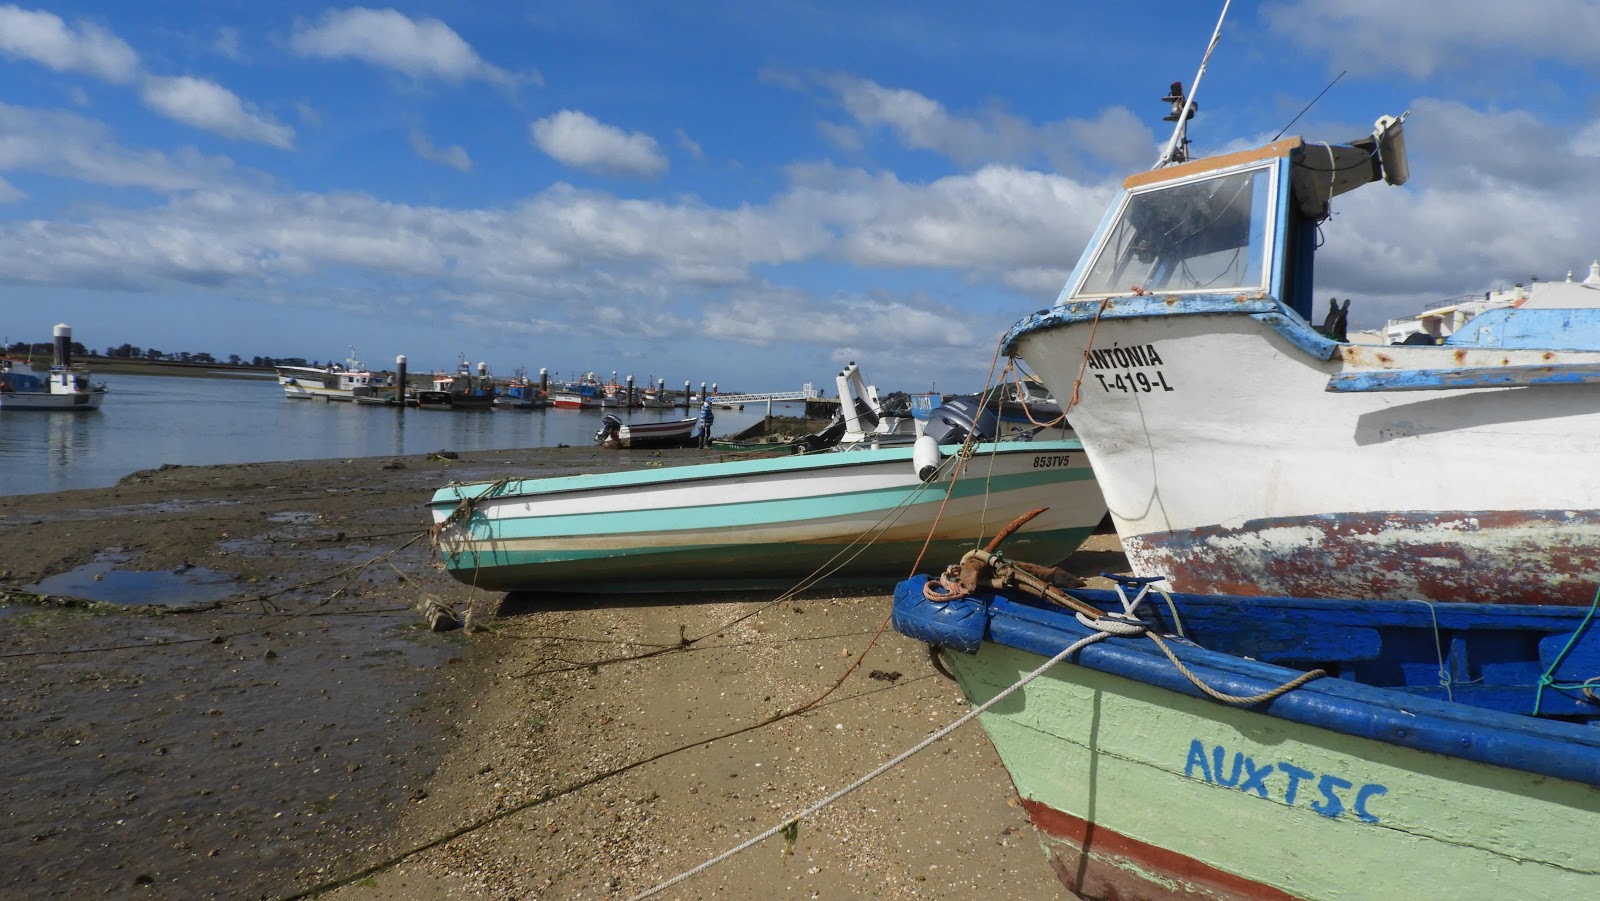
{"x": 952, "y": 421}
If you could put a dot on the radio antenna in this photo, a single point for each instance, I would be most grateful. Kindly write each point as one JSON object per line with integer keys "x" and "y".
{"x": 1309, "y": 105}
{"x": 1176, "y": 147}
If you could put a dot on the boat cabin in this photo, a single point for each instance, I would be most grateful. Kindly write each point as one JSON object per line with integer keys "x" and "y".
{"x": 1239, "y": 224}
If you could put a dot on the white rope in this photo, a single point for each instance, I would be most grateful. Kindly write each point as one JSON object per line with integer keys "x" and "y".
{"x": 901, "y": 758}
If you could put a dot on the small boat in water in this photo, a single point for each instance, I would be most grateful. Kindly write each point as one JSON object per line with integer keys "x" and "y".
{"x": 66, "y": 387}
{"x": 665, "y": 433}
{"x": 863, "y": 515}
{"x": 1282, "y": 747}
{"x": 334, "y": 382}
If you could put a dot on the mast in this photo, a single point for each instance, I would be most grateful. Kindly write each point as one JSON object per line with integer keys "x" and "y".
{"x": 1176, "y": 148}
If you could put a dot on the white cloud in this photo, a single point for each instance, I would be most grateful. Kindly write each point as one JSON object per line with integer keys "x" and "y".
{"x": 577, "y": 139}
{"x": 10, "y": 193}
{"x": 841, "y": 136}
{"x": 67, "y": 145}
{"x": 211, "y": 107}
{"x": 689, "y": 145}
{"x": 226, "y": 44}
{"x": 422, "y": 47}
{"x": 454, "y": 156}
{"x": 1421, "y": 37}
{"x": 918, "y": 122}
{"x": 44, "y": 38}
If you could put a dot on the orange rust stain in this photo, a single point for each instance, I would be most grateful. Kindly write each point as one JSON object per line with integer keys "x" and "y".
{"x": 1461, "y": 357}
{"x": 1385, "y": 359}
{"x": 1549, "y": 355}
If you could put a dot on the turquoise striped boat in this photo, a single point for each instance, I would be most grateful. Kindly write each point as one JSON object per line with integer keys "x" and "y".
{"x": 1449, "y": 751}
{"x": 851, "y": 516}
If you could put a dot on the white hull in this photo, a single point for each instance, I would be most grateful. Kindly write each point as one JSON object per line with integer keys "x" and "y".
{"x": 1230, "y": 466}
{"x": 38, "y": 401}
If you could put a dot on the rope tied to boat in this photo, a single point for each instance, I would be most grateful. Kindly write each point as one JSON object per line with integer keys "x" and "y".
{"x": 465, "y": 508}
{"x": 986, "y": 568}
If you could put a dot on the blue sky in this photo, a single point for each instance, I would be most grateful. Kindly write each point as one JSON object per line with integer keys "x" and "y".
{"x": 748, "y": 193}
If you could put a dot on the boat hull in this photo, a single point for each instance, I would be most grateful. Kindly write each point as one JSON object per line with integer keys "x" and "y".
{"x": 1234, "y": 460}
{"x": 82, "y": 401}
{"x": 767, "y": 522}
{"x": 1142, "y": 789}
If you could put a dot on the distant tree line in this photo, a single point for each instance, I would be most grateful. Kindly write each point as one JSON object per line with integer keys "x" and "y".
{"x": 45, "y": 351}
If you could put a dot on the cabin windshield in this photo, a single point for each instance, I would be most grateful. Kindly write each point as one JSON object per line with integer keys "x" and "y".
{"x": 1206, "y": 235}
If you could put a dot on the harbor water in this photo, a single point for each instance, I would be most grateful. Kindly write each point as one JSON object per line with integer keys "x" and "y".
{"x": 151, "y": 421}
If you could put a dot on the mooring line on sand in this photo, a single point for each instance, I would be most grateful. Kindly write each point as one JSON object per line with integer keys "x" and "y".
{"x": 893, "y": 762}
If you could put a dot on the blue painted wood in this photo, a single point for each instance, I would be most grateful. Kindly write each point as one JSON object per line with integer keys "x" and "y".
{"x": 1403, "y": 715}
{"x": 1472, "y": 377}
{"x": 1538, "y": 329}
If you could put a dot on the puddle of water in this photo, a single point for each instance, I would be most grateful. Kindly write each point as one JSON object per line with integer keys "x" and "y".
{"x": 294, "y": 516}
{"x": 102, "y": 581}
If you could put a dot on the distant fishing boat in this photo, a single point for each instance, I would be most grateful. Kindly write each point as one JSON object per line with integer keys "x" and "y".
{"x": 582, "y": 394}
{"x": 66, "y": 387}
{"x": 763, "y": 522}
{"x": 346, "y": 382}
{"x": 461, "y": 390}
{"x": 1437, "y": 750}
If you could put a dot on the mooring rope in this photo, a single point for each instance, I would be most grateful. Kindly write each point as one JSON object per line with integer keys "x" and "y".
{"x": 879, "y": 771}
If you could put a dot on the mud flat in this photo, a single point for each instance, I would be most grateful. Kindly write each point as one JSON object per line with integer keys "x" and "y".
{"x": 255, "y": 709}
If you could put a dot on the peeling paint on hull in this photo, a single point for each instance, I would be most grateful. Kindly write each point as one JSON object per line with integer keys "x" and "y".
{"x": 1101, "y": 865}
{"x": 1520, "y": 557}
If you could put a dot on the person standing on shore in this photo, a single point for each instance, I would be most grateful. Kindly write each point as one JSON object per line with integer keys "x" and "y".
{"x": 707, "y": 416}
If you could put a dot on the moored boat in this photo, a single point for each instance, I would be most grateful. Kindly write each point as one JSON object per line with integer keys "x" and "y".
{"x": 333, "y": 382}
{"x": 65, "y": 387}
{"x": 634, "y": 434}
{"x": 768, "y": 522}
{"x": 461, "y": 390}
{"x": 1365, "y": 749}
{"x": 1244, "y": 450}
{"x": 582, "y": 393}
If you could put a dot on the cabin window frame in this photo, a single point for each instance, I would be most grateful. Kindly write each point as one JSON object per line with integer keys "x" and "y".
{"x": 1270, "y": 183}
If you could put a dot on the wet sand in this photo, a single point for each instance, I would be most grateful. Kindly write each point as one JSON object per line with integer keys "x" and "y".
{"x": 309, "y": 733}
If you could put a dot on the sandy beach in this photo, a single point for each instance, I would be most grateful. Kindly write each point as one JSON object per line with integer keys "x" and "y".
{"x": 306, "y": 733}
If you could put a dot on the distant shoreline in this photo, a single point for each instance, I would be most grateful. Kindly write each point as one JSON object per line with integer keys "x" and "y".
{"x": 111, "y": 366}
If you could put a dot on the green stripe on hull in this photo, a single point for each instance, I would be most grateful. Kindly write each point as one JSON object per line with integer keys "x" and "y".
{"x": 762, "y": 512}
{"x": 1313, "y": 813}
{"x": 449, "y": 496}
{"x": 729, "y": 566}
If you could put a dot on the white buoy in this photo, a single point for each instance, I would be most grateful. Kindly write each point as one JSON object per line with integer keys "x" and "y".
{"x": 925, "y": 457}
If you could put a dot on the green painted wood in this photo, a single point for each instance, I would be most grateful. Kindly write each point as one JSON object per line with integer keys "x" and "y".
{"x": 1143, "y": 762}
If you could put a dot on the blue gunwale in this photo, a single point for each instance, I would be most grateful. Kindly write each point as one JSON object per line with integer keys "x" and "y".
{"x": 1545, "y": 747}
{"x": 451, "y": 495}
{"x": 1264, "y": 308}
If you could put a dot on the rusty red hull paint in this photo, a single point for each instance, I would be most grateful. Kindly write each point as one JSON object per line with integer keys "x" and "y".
{"x": 1520, "y": 557}
{"x": 1092, "y": 861}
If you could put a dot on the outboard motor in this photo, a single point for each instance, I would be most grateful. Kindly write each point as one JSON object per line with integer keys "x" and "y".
{"x": 952, "y": 421}
{"x": 610, "y": 429}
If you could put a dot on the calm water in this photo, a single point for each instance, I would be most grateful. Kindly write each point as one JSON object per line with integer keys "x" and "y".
{"x": 150, "y": 420}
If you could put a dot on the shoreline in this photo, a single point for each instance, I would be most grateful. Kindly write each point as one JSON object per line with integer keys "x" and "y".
{"x": 267, "y": 747}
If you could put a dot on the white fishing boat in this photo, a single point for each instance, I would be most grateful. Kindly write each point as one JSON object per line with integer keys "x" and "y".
{"x": 66, "y": 387}
{"x": 634, "y": 434}
{"x": 850, "y": 515}
{"x": 1244, "y": 451}
{"x": 333, "y": 382}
